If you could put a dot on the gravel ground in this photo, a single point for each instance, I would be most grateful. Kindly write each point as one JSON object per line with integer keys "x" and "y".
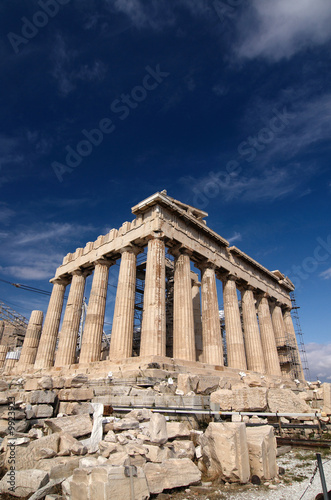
{"x": 299, "y": 465}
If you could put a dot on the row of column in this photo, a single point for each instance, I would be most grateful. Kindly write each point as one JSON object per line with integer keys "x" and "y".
{"x": 254, "y": 349}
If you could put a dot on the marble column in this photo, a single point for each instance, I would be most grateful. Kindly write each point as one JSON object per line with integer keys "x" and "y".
{"x": 253, "y": 345}
{"x": 95, "y": 316}
{"x": 268, "y": 338}
{"x": 2, "y": 328}
{"x": 122, "y": 329}
{"x": 66, "y": 352}
{"x": 211, "y": 326}
{"x": 3, "y": 354}
{"x": 234, "y": 335}
{"x": 47, "y": 344}
{"x": 197, "y": 320}
{"x": 153, "y": 329}
{"x": 31, "y": 340}
{"x": 289, "y": 328}
{"x": 183, "y": 330}
{"x": 278, "y": 324}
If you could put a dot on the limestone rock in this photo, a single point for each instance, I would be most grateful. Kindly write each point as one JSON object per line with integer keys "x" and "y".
{"x": 24, "y": 483}
{"x": 285, "y": 400}
{"x": 119, "y": 458}
{"x": 225, "y": 451}
{"x": 79, "y": 380}
{"x": 3, "y": 386}
{"x": 157, "y": 454}
{"x": 184, "y": 449}
{"x": 241, "y": 398}
{"x": 31, "y": 384}
{"x": 110, "y": 437}
{"x": 207, "y": 384}
{"x": 326, "y": 398}
{"x": 142, "y": 415}
{"x": 45, "y": 383}
{"x": 59, "y": 467}
{"x": 76, "y": 425}
{"x": 172, "y": 473}
{"x": 158, "y": 429}
{"x": 125, "y": 424}
{"x": 41, "y": 397}
{"x": 42, "y": 411}
{"x": 178, "y": 430}
{"x": 25, "y": 454}
{"x": 106, "y": 482}
{"x": 262, "y": 449}
{"x": 79, "y": 394}
{"x": 187, "y": 383}
{"x": 71, "y": 445}
{"x": 44, "y": 453}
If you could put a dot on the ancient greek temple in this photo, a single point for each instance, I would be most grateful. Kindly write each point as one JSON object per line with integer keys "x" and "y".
{"x": 180, "y": 307}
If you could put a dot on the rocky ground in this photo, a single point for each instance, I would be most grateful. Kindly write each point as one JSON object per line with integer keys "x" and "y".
{"x": 294, "y": 484}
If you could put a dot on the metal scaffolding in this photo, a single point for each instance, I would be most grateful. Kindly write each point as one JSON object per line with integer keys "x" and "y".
{"x": 299, "y": 335}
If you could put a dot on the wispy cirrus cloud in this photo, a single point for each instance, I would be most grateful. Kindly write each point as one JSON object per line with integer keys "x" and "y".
{"x": 326, "y": 275}
{"x": 280, "y": 29}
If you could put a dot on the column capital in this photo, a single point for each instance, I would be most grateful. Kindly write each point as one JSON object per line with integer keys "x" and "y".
{"x": 206, "y": 264}
{"x": 227, "y": 277}
{"x": 196, "y": 283}
{"x": 104, "y": 262}
{"x": 81, "y": 272}
{"x": 131, "y": 249}
{"x": 155, "y": 235}
{"x": 60, "y": 281}
{"x": 180, "y": 249}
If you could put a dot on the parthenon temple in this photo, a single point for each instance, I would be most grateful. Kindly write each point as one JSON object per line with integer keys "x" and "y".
{"x": 179, "y": 310}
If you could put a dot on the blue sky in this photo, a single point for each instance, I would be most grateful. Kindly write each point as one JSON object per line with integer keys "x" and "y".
{"x": 226, "y": 104}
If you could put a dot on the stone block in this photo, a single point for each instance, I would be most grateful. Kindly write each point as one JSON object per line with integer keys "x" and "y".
{"x": 326, "y": 398}
{"x": 79, "y": 380}
{"x": 241, "y": 398}
{"x": 31, "y": 384}
{"x": 106, "y": 482}
{"x": 42, "y": 453}
{"x": 187, "y": 383}
{"x": 207, "y": 384}
{"x": 76, "y": 425}
{"x": 25, "y": 483}
{"x": 58, "y": 382}
{"x": 119, "y": 458}
{"x": 184, "y": 449}
{"x": 286, "y": 401}
{"x": 177, "y": 430}
{"x": 79, "y": 394}
{"x": 262, "y": 449}
{"x": 157, "y": 454}
{"x": 45, "y": 383}
{"x": 71, "y": 445}
{"x": 125, "y": 424}
{"x": 59, "y": 467}
{"x": 3, "y": 386}
{"x": 42, "y": 411}
{"x": 41, "y": 397}
{"x": 172, "y": 473}
{"x": 157, "y": 429}
{"x": 142, "y": 415}
{"x": 25, "y": 454}
{"x": 225, "y": 451}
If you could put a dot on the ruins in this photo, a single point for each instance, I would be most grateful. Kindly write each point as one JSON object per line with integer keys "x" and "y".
{"x": 181, "y": 321}
{"x": 180, "y": 385}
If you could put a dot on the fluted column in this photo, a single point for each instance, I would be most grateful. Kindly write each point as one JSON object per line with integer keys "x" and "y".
{"x": 197, "y": 320}
{"x": 183, "y": 332}
{"x": 278, "y": 324}
{"x": 234, "y": 336}
{"x": 31, "y": 340}
{"x": 289, "y": 328}
{"x": 46, "y": 349}
{"x": 2, "y": 328}
{"x": 3, "y": 354}
{"x": 268, "y": 338}
{"x": 211, "y": 327}
{"x": 66, "y": 352}
{"x": 95, "y": 316}
{"x": 253, "y": 346}
{"x": 122, "y": 329}
{"x": 153, "y": 330}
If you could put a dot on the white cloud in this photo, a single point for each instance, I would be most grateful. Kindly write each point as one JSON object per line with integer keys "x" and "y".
{"x": 319, "y": 361}
{"x": 279, "y": 29}
{"x": 236, "y": 237}
{"x": 326, "y": 274}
